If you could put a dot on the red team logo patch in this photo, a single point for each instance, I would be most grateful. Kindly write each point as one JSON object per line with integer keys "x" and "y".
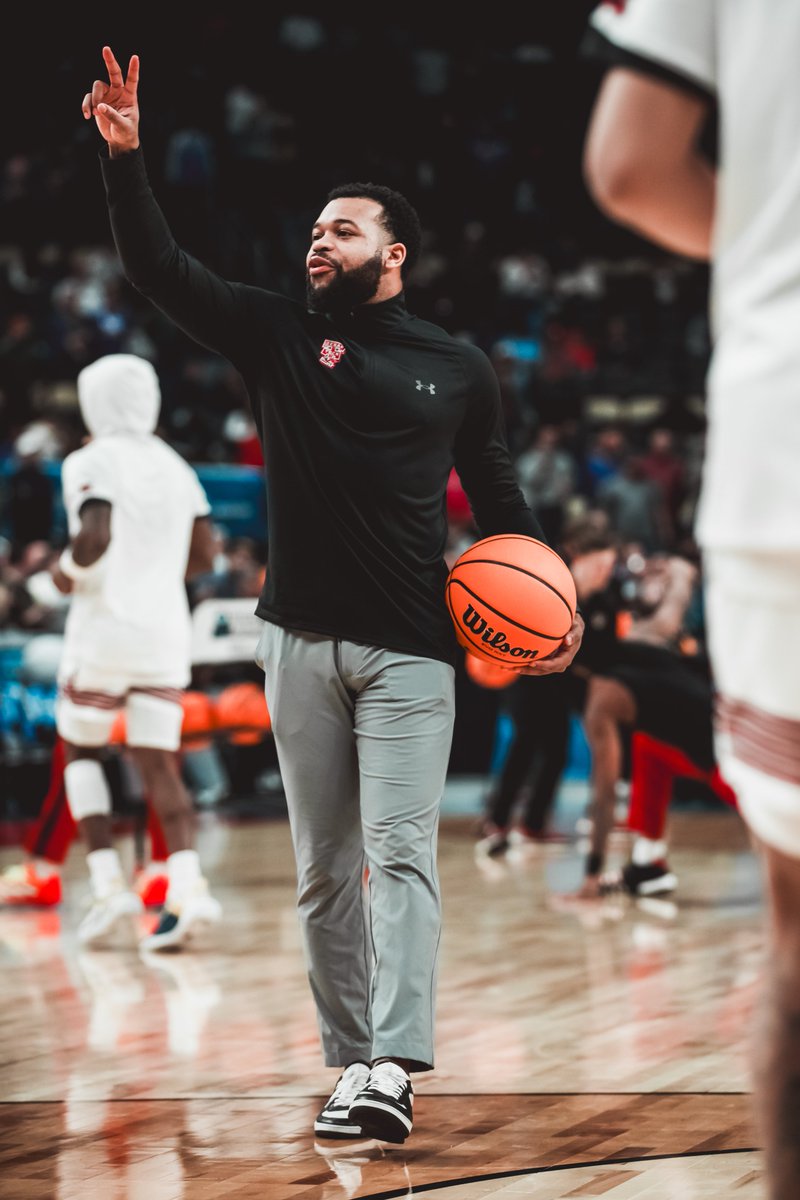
{"x": 331, "y": 353}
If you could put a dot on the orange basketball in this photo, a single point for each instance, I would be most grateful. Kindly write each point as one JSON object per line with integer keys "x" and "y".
{"x": 242, "y": 713}
{"x": 198, "y": 720}
{"x": 512, "y": 599}
{"x": 488, "y": 674}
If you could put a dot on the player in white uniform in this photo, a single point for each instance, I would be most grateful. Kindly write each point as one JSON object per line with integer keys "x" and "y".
{"x": 138, "y": 521}
{"x": 671, "y": 61}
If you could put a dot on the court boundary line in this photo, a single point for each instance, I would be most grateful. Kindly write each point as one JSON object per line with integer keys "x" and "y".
{"x": 440, "y": 1185}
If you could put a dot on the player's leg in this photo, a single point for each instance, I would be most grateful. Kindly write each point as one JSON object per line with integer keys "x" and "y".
{"x": 403, "y": 723}
{"x": 610, "y": 705}
{"x": 85, "y": 714}
{"x": 37, "y": 881}
{"x": 655, "y": 765}
{"x": 754, "y": 640}
{"x": 673, "y": 738}
{"x": 515, "y": 770}
{"x": 154, "y": 717}
{"x": 776, "y": 1058}
{"x": 553, "y": 711}
{"x": 150, "y": 876}
{"x": 311, "y": 709}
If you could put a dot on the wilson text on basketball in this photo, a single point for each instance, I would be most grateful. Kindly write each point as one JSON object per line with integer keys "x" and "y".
{"x": 495, "y": 640}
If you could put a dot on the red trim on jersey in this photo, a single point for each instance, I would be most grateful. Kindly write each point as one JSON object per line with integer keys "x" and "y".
{"x": 760, "y": 739}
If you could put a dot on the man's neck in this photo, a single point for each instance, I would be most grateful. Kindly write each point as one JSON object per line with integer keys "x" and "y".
{"x": 387, "y": 290}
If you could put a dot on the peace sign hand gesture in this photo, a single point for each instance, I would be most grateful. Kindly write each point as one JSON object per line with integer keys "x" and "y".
{"x": 114, "y": 105}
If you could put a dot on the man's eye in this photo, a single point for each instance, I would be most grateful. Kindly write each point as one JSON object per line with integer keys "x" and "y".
{"x": 345, "y": 233}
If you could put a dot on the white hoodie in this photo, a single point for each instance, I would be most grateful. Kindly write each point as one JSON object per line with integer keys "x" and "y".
{"x": 133, "y": 614}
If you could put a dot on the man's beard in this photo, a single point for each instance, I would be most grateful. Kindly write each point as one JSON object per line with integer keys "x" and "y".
{"x": 347, "y": 289}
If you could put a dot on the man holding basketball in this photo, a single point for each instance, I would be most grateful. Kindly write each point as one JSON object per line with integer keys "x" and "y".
{"x": 363, "y": 411}
{"x": 672, "y": 61}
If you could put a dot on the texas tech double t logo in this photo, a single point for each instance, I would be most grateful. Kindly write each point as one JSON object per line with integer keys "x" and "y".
{"x": 331, "y": 353}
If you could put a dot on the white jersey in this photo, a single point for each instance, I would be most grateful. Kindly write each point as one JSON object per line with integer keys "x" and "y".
{"x": 134, "y": 614}
{"x": 746, "y": 54}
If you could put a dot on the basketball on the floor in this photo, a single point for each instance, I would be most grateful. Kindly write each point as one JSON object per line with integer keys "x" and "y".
{"x": 488, "y": 674}
{"x": 512, "y": 599}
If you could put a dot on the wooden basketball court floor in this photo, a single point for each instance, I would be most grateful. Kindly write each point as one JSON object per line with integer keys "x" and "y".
{"x": 583, "y": 1051}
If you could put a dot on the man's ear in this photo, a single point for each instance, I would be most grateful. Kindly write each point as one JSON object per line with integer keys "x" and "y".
{"x": 394, "y": 255}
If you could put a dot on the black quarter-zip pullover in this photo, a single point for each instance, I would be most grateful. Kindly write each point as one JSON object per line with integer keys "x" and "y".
{"x": 361, "y": 416}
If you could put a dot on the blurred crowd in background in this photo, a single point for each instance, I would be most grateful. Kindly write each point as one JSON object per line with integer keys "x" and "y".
{"x": 599, "y": 342}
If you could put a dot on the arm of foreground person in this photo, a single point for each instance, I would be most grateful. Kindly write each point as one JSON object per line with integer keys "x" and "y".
{"x": 642, "y": 163}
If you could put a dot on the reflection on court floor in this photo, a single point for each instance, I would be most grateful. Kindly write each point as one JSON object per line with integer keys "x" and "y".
{"x": 576, "y": 1042}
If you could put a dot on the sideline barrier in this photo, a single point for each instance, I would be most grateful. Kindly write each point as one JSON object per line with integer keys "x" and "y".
{"x": 236, "y": 494}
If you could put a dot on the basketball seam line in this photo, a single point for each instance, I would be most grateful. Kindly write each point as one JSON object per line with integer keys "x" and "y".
{"x": 509, "y": 537}
{"x": 549, "y": 637}
{"x": 492, "y": 562}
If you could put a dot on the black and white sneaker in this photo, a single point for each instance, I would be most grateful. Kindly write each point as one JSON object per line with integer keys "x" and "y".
{"x": 650, "y": 879}
{"x": 493, "y": 841}
{"x": 333, "y": 1120}
{"x": 383, "y": 1108}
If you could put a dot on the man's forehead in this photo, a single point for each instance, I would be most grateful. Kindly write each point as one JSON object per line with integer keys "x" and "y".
{"x": 359, "y": 209}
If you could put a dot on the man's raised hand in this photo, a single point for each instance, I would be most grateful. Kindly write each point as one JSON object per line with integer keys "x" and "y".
{"x": 114, "y": 105}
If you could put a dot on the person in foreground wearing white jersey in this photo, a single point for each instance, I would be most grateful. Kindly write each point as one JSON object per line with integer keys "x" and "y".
{"x": 138, "y": 521}
{"x": 671, "y": 60}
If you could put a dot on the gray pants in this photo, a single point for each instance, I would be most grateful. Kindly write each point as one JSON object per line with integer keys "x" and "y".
{"x": 363, "y": 740}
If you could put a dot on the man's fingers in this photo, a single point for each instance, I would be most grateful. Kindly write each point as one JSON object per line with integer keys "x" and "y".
{"x": 550, "y": 665}
{"x": 113, "y": 116}
{"x": 86, "y": 107}
{"x": 113, "y": 67}
{"x": 99, "y": 92}
{"x": 132, "y": 82}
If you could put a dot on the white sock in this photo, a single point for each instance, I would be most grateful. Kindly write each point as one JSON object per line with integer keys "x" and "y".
{"x": 183, "y": 871}
{"x": 647, "y": 851}
{"x": 43, "y": 866}
{"x": 154, "y": 867}
{"x": 105, "y": 870}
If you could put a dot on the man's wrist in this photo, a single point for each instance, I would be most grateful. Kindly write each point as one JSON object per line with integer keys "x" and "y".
{"x": 75, "y": 571}
{"x": 120, "y": 151}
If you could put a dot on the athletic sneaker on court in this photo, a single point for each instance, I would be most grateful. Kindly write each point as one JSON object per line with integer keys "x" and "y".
{"x": 334, "y": 1120}
{"x": 676, "y": 61}
{"x": 363, "y": 411}
{"x": 138, "y": 521}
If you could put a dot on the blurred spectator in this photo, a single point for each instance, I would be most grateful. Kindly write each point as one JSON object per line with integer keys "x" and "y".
{"x": 240, "y": 431}
{"x": 30, "y": 492}
{"x": 239, "y": 570}
{"x": 548, "y": 475}
{"x": 665, "y": 467}
{"x": 24, "y": 603}
{"x": 190, "y": 171}
{"x": 513, "y": 361}
{"x": 566, "y": 353}
{"x": 604, "y": 459}
{"x": 24, "y": 358}
{"x": 636, "y": 506}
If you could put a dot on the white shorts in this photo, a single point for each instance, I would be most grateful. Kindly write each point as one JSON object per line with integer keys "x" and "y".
{"x": 753, "y": 617}
{"x": 90, "y": 699}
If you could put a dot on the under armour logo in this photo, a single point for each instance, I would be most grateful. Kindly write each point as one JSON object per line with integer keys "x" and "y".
{"x": 428, "y": 387}
{"x": 331, "y": 353}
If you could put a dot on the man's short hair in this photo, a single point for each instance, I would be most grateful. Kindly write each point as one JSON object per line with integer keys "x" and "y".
{"x": 588, "y": 533}
{"x": 400, "y": 219}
